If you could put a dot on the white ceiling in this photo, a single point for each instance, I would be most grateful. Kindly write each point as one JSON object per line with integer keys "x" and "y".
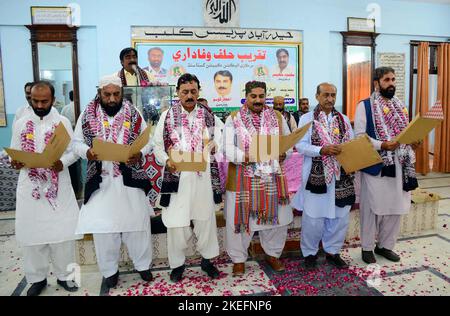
{"x": 429, "y": 1}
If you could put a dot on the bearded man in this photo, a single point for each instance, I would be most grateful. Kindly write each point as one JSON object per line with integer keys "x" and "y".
{"x": 115, "y": 207}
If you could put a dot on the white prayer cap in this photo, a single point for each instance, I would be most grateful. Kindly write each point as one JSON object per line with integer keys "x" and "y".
{"x": 111, "y": 79}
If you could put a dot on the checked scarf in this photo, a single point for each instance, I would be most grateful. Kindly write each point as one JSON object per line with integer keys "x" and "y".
{"x": 324, "y": 168}
{"x": 176, "y": 126}
{"x": 143, "y": 78}
{"x": 260, "y": 187}
{"x": 124, "y": 130}
{"x": 40, "y": 177}
{"x": 390, "y": 119}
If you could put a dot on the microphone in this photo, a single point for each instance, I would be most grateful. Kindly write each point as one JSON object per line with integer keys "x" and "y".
{"x": 135, "y": 69}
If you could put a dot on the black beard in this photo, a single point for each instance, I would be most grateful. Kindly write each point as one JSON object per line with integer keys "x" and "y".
{"x": 388, "y": 93}
{"x": 41, "y": 112}
{"x": 111, "y": 109}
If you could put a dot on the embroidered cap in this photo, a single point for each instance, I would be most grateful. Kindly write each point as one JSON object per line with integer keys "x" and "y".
{"x": 107, "y": 80}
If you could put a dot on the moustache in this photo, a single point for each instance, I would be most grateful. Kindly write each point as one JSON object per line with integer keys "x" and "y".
{"x": 222, "y": 88}
{"x": 190, "y": 100}
{"x": 257, "y": 104}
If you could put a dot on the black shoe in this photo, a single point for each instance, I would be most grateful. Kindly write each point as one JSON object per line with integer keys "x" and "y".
{"x": 337, "y": 261}
{"x": 368, "y": 257}
{"x": 310, "y": 262}
{"x": 388, "y": 254}
{"x": 146, "y": 275}
{"x": 69, "y": 286}
{"x": 36, "y": 288}
{"x": 112, "y": 280}
{"x": 210, "y": 269}
{"x": 177, "y": 274}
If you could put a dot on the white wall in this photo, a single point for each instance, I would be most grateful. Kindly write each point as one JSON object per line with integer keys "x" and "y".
{"x": 105, "y": 30}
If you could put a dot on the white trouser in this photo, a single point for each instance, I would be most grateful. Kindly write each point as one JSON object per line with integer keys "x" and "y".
{"x": 272, "y": 241}
{"x": 387, "y": 227}
{"x": 37, "y": 260}
{"x": 178, "y": 238}
{"x": 107, "y": 249}
{"x": 331, "y": 231}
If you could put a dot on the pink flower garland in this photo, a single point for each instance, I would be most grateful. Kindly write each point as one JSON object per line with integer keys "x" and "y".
{"x": 390, "y": 118}
{"x": 245, "y": 129}
{"x": 193, "y": 135}
{"x": 330, "y": 134}
{"x": 40, "y": 176}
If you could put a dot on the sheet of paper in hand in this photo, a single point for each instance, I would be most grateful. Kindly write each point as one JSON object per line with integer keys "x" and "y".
{"x": 188, "y": 161}
{"x": 107, "y": 151}
{"x": 269, "y": 147}
{"x": 421, "y": 126}
{"x": 52, "y": 152}
{"x": 357, "y": 154}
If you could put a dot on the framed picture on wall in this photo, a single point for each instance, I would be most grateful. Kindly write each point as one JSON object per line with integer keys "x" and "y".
{"x": 51, "y": 15}
{"x": 2, "y": 95}
{"x": 360, "y": 25}
{"x": 224, "y": 61}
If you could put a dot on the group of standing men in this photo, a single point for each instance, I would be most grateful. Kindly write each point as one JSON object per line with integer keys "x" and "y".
{"x": 116, "y": 208}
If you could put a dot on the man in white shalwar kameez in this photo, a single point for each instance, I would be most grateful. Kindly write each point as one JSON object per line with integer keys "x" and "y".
{"x": 245, "y": 214}
{"x": 188, "y": 196}
{"x": 115, "y": 208}
{"x": 46, "y": 209}
{"x": 28, "y": 108}
{"x": 327, "y": 192}
{"x": 385, "y": 188}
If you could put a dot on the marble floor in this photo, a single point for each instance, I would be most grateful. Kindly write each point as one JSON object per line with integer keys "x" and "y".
{"x": 423, "y": 270}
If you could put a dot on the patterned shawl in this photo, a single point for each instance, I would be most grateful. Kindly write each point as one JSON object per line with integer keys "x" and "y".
{"x": 260, "y": 187}
{"x": 44, "y": 179}
{"x": 94, "y": 124}
{"x": 143, "y": 78}
{"x": 390, "y": 118}
{"x": 325, "y": 168}
{"x": 173, "y": 128}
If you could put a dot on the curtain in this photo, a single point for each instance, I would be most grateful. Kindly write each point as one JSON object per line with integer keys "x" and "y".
{"x": 422, "y": 93}
{"x": 441, "y": 161}
{"x": 358, "y": 85}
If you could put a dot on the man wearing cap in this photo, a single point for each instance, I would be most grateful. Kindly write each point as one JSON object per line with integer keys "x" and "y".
{"x": 115, "y": 206}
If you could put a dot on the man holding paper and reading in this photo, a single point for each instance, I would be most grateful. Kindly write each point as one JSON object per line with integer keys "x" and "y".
{"x": 257, "y": 196}
{"x": 115, "y": 205}
{"x": 386, "y": 187}
{"x": 327, "y": 192}
{"x": 189, "y": 196}
{"x": 46, "y": 211}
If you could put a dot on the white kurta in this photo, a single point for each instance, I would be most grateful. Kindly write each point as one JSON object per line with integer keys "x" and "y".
{"x": 114, "y": 207}
{"x": 37, "y": 223}
{"x": 28, "y": 110}
{"x": 384, "y": 195}
{"x": 194, "y": 199}
{"x": 316, "y": 205}
{"x": 235, "y": 155}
